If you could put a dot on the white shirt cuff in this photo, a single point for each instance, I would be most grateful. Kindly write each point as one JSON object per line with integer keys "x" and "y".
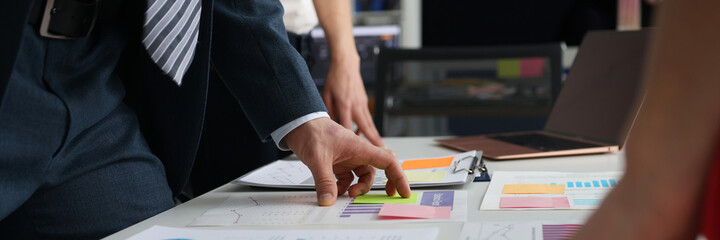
{"x": 280, "y": 133}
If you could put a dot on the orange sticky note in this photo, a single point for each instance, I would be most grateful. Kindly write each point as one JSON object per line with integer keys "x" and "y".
{"x": 427, "y": 163}
{"x": 533, "y": 189}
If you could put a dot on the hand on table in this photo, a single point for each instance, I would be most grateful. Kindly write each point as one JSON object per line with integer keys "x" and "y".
{"x": 346, "y": 99}
{"x": 331, "y": 151}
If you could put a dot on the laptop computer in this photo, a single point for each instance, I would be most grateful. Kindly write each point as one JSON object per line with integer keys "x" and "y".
{"x": 593, "y": 111}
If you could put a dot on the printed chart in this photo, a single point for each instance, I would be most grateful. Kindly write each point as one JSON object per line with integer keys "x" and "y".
{"x": 160, "y": 232}
{"x": 291, "y": 208}
{"x": 537, "y": 190}
{"x": 260, "y": 209}
{"x": 283, "y": 173}
{"x": 559, "y": 231}
{"x": 364, "y": 213}
{"x": 517, "y": 230}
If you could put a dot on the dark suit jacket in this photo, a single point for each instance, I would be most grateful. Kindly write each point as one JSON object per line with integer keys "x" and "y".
{"x": 245, "y": 41}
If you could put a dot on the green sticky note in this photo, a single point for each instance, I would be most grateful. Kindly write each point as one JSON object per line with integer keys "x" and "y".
{"x": 508, "y": 68}
{"x": 384, "y": 198}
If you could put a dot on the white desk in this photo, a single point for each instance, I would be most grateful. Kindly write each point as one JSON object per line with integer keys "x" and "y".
{"x": 406, "y": 148}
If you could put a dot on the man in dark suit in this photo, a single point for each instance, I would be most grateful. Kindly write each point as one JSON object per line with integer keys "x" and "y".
{"x": 94, "y": 136}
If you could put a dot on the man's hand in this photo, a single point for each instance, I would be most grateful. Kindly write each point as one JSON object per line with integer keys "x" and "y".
{"x": 331, "y": 151}
{"x": 346, "y": 99}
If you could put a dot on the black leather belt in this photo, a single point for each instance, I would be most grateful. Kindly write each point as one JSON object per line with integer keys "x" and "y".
{"x": 64, "y": 19}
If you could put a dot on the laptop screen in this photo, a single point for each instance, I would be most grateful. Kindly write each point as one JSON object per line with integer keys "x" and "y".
{"x": 599, "y": 93}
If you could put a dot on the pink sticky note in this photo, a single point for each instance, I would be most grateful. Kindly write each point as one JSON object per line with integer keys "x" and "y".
{"x": 392, "y": 210}
{"x": 534, "y": 202}
{"x": 531, "y": 67}
{"x": 561, "y": 202}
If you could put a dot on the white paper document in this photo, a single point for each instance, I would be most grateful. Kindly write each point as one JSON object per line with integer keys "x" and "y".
{"x": 581, "y": 190}
{"x": 501, "y": 231}
{"x": 435, "y": 171}
{"x": 519, "y": 230}
{"x": 293, "y": 208}
{"x": 161, "y": 232}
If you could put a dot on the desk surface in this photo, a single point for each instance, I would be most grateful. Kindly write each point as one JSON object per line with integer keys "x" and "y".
{"x": 408, "y": 148}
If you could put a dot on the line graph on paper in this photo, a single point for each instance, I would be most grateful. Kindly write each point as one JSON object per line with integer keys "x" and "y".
{"x": 507, "y": 231}
{"x": 282, "y": 173}
{"x": 238, "y": 211}
{"x": 260, "y": 210}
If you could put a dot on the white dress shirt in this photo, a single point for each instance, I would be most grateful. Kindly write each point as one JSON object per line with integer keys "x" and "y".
{"x": 300, "y": 16}
{"x": 280, "y": 133}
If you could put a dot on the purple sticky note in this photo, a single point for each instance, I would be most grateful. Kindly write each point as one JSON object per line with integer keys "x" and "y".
{"x": 531, "y": 67}
{"x": 437, "y": 198}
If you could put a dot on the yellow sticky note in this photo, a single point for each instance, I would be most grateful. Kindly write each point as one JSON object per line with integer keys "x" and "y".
{"x": 383, "y": 198}
{"x": 425, "y": 176}
{"x": 427, "y": 163}
{"x": 508, "y": 68}
{"x": 533, "y": 189}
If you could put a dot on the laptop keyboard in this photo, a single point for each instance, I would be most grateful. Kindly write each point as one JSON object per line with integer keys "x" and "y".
{"x": 543, "y": 142}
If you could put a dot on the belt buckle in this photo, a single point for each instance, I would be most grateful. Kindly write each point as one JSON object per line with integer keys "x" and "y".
{"x": 47, "y": 16}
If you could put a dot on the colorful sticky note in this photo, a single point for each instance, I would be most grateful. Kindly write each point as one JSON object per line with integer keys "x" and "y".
{"x": 531, "y": 67}
{"x": 438, "y": 198}
{"x": 390, "y": 210}
{"x": 533, "y": 189}
{"x": 427, "y": 163}
{"x": 534, "y": 202}
{"x": 425, "y": 176}
{"x": 508, "y": 68}
{"x": 383, "y": 198}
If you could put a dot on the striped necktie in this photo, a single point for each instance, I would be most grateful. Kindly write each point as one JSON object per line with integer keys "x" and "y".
{"x": 170, "y": 34}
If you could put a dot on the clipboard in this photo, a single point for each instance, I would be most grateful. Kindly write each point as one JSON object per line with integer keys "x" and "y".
{"x": 427, "y": 172}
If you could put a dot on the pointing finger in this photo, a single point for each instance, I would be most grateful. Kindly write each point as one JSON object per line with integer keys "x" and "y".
{"x": 325, "y": 184}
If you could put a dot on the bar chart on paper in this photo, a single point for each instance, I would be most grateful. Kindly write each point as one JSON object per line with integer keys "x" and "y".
{"x": 293, "y": 208}
{"x": 559, "y": 231}
{"x": 578, "y": 190}
{"x": 518, "y": 230}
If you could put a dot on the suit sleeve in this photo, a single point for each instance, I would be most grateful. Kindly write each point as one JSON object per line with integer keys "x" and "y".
{"x": 252, "y": 55}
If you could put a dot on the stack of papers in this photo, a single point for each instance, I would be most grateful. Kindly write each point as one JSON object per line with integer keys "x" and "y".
{"x": 438, "y": 171}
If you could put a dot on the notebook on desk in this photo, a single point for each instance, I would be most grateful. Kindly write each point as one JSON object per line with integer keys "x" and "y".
{"x": 591, "y": 113}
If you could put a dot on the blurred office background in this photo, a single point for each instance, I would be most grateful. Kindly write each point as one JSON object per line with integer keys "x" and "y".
{"x": 471, "y": 66}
